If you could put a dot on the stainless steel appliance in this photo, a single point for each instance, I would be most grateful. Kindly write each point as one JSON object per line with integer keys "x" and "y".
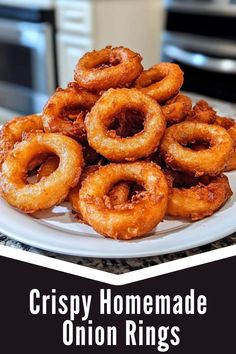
{"x": 201, "y": 38}
{"x": 27, "y": 59}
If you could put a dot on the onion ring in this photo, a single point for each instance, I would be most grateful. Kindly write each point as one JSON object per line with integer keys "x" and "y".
{"x": 200, "y": 197}
{"x": 65, "y": 111}
{"x": 114, "y": 147}
{"x": 227, "y": 123}
{"x": 210, "y": 161}
{"x": 13, "y": 131}
{"x": 177, "y": 108}
{"x": 50, "y": 190}
{"x": 130, "y": 220}
{"x": 107, "y": 68}
{"x": 161, "y": 81}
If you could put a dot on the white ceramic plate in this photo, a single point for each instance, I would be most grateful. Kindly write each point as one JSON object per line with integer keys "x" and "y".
{"x": 57, "y": 231}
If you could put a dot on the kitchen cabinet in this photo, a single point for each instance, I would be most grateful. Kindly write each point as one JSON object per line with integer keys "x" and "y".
{"x": 69, "y": 49}
{"x": 84, "y": 25}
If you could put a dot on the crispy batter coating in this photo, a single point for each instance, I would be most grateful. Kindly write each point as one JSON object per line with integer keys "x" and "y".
{"x": 177, "y": 108}
{"x": 108, "y": 68}
{"x": 50, "y": 190}
{"x": 203, "y": 113}
{"x": 133, "y": 219}
{"x": 225, "y": 122}
{"x": 65, "y": 111}
{"x": 196, "y": 198}
{"x": 210, "y": 161}
{"x": 161, "y": 82}
{"x": 115, "y": 148}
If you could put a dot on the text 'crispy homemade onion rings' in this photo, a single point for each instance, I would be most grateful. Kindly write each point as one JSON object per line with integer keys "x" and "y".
{"x": 210, "y": 161}
{"x": 114, "y": 147}
{"x": 177, "y": 108}
{"x": 161, "y": 81}
{"x": 196, "y": 198}
{"x": 132, "y": 219}
{"x": 65, "y": 111}
{"x": 107, "y": 68}
{"x": 50, "y": 190}
{"x": 12, "y": 132}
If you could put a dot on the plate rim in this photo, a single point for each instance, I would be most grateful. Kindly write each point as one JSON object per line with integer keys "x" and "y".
{"x": 219, "y": 233}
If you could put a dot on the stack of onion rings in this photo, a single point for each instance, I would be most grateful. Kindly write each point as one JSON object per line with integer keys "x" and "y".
{"x": 129, "y": 171}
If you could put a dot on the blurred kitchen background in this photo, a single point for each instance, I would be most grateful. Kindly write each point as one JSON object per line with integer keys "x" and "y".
{"x": 41, "y": 41}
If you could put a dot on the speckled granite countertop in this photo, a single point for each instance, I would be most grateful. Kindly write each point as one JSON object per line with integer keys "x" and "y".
{"x": 120, "y": 266}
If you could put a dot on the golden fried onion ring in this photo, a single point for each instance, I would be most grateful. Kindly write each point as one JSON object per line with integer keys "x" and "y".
{"x": 12, "y": 132}
{"x": 65, "y": 111}
{"x": 107, "y": 68}
{"x": 202, "y": 197}
{"x": 129, "y": 220}
{"x": 114, "y": 147}
{"x": 161, "y": 82}
{"x": 210, "y": 161}
{"x": 50, "y": 190}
